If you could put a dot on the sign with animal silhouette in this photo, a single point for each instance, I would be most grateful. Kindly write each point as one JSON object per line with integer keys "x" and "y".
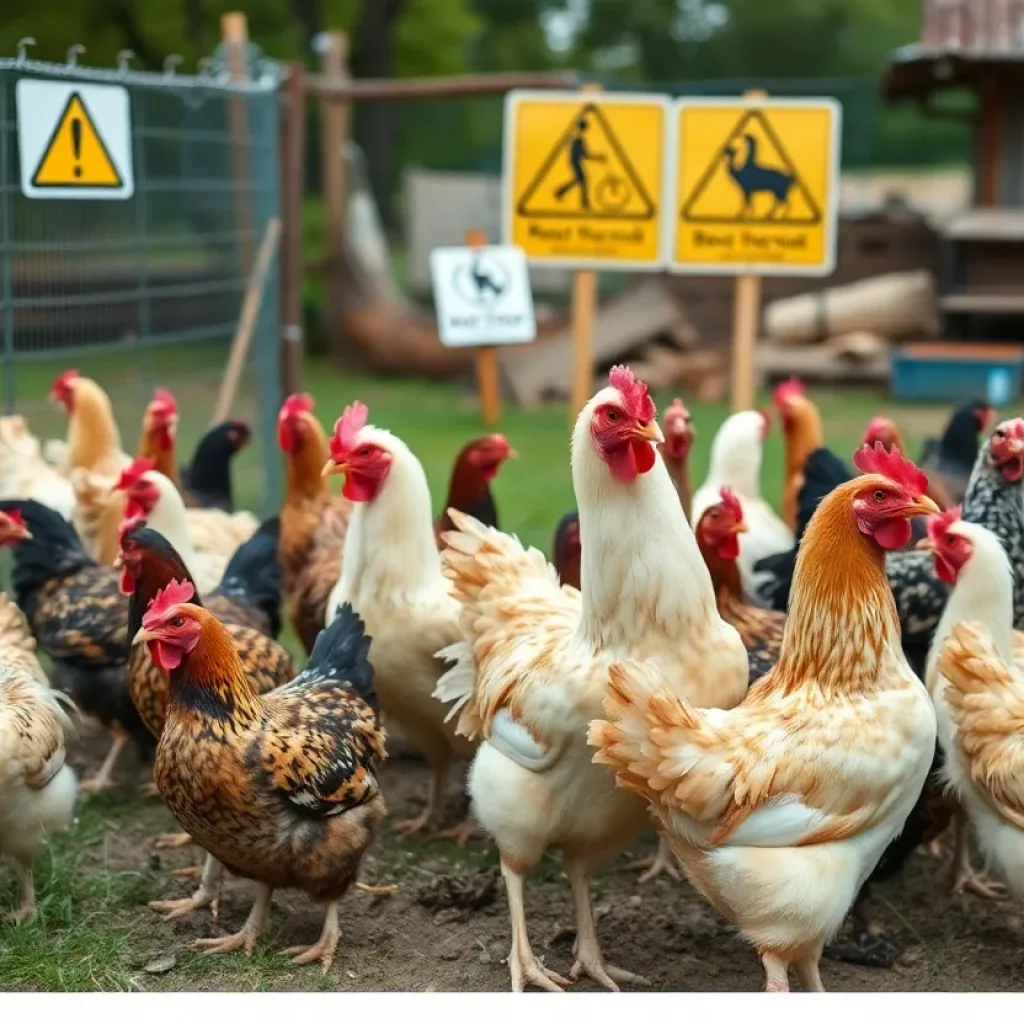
{"x": 585, "y": 175}
{"x": 482, "y": 295}
{"x": 756, "y": 186}
{"x": 74, "y": 140}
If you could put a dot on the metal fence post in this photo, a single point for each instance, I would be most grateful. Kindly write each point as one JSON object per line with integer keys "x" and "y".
{"x": 6, "y": 242}
{"x": 293, "y": 151}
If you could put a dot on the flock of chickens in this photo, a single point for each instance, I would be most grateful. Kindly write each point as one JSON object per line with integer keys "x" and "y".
{"x": 796, "y": 702}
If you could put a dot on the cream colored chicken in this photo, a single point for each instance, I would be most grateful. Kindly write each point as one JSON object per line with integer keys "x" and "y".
{"x": 25, "y": 472}
{"x": 37, "y": 789}
{"x": 391, "y": 574}
{"x": 978, "y": 693}
{"x": 532, "y": 669}
{"x": 779, "y": 809}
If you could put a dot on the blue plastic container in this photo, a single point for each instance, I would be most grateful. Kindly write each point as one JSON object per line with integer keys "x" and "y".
{"x": 953, "y": 372}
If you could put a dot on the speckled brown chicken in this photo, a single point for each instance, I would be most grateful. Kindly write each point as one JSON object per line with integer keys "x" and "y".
{"x": 718, "y": 539}
{"x": 280, "y": 788}
{"x": 313, "y": 521}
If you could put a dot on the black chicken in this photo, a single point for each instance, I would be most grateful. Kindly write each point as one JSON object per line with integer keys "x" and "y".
{"x": 206, "y": 483}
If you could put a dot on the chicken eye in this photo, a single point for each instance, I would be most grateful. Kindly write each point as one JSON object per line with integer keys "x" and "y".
{"x": 1000, "y": 433}
{"x": 714, "y": 514}
{"x": 178, "y": 621}
{"x": 613, "y": 416}
{"x": 364, "y": 452}
{"x": 879, "y": 495}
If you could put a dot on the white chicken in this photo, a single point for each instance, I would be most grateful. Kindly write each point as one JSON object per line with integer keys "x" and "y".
{"x": 532, "y": 668}
{"x": 37, "y": 789}
{"x": 391, "y": 573}
{"x": 736, "y": 462}
{"x": 26, "y": 473}
{"x": 978, "y": 694}
{"x": 779, "y": 809}
{"x": 150, "y": 496}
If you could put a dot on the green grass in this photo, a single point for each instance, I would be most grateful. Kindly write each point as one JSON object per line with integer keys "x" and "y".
{"x": 94, "y": 932}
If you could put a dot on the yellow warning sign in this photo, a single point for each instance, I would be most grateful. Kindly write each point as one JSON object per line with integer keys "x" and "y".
{"x": 584, "y": 177}
{"x": 75, "y": 154}
{"x": 757, "y": 186}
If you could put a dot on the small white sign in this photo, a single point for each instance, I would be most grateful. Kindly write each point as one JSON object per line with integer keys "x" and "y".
{"x": 482, "y": 295}
{"x": 75, "y": 140}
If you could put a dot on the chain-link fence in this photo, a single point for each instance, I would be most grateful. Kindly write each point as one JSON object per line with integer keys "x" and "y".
{"x": 146, "y": 290}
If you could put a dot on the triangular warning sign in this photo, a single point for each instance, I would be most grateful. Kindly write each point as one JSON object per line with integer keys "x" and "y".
{"x": 587, "y": 176}
{"x": 751, "y": 180}
{"x": 75, "y": 154}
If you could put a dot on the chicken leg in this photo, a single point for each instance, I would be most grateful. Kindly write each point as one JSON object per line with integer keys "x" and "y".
{"x": 26, "y": 895}
{"x": 254, "y": 927}
{"x": 101, "y": 780}
{"x": 326, "y": 947}
{"x": 964, "y": 877}
{"x": 205, "y": 896}
{"x": 589, "y": 958}
{"x": 523, "y": 965}
{"x": 172, "y": 841}
{"x": 434, "y": 811}
{"x": 776, "y": 973}
{"x": 808, "y": 973}
{"x": 661, "y": 863}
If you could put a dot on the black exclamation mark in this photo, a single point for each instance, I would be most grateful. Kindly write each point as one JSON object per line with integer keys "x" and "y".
{"x": 76, "y": 142}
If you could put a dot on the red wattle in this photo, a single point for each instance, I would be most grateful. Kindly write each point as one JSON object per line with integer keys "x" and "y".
{"x": 892, "y": 534}
{"x": 166, "y": 656}
{"x": 944, "y": 570}
{"x": 729, "y": 547}
{"x": 127, "y": 582}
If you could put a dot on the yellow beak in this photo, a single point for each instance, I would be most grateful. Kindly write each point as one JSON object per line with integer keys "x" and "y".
{"x": 924, "y": 506}
{"x": 143, "y": 636}
{"x": 512, "y": 454}
{"x": 118, "y": 561}
{"x": 740, "y": 527}
{"x": 649, "y": 432}
{"x": 332, "y": 468}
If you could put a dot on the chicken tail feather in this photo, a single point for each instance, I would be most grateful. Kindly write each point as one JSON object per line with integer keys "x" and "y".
{"x": 341, "y": 657}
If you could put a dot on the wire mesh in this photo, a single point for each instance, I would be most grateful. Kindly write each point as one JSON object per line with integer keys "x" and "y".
{"x": 147, "y": 291}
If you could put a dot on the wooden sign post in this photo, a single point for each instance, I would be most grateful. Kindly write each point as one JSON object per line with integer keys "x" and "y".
{"x": 488, "y": 380}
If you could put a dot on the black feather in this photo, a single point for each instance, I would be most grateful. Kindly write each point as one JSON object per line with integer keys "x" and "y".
{"x": 253, "y": 576}
{"x": 209, "y": 475}
{"x": 341, "y": 656}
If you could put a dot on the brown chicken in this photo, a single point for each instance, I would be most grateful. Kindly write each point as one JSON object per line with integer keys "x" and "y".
{"x": 313, "y": 521}
{"x": 94, "y": 442}
{"x": 159, "y": 430}
{"x": 567, "y": 555}
{"x": 280, "y": 788}
{"x": 801, "y": 427}
{"x": 718, "y": 539}
{"x": 470, "y": 488}
{"x": 679, "y": 438}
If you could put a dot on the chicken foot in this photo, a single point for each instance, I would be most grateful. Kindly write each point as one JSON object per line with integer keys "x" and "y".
{"x": 207, "y": 895}
{"x": 254, "y": 927}
{"x": 808, "y": 973}
{"x": 325, "y": 948}
{"x": 434, "y": 811}
{"x": 871, "y": 947}
{"x": 660, "y": 863}
{"x": 101, "y": 780}
{"x": 524, "y": 967}
{"x": 26, "y": 895}
{"x": 172, "y": 841}
{"x": 965, "y": 879}
{"x": 589, "y": 958}
{"x": 776, "y": 973}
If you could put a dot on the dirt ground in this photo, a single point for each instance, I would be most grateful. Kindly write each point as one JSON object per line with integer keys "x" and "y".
{"x": 446, "y": 928}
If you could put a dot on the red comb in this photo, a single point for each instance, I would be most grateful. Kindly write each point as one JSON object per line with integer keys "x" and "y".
{"x": 676, "y": 410}
{"x": 133, "y": 474}
{"x": 293, "y": 405}
{"x": 634, "y": 391}
{"x": 892, "y": 465}
{"x": 15, "y": 516}
{"x": 938, "y": 525}
{"x": 176, "y": 592}
{"x": 62, "y": 380}
{"x": 786, "y": 390}
{"x": 161, "y": 396}
{"x": 352, "y": 420}
{"x": 731, "y": 503}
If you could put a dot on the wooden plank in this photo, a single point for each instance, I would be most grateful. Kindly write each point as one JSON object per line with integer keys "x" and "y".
{"x": 235, "y": 34}
{"x": 981, "y": 302}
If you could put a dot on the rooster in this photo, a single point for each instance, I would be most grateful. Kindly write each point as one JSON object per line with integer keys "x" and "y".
{"x": 736, "y": 462}
{"x": 37, "y": 789}
{"x": 532, "y": 666}
{"x": 281, "y": 788}
{"x": 391, "y": 574}
{"x": 778, "y": 809}
{"x": 470, "y": 487}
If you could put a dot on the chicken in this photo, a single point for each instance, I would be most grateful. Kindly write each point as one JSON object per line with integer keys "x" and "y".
{"x": 779, "y": 809}
{"x": 952, "y": 457}
{"x": 152, "y": 497}
{"x": 281, "y": 788}
{"x": 159, "y": 430}
{"x": 567, "y": 554}
{"x": 247, "y": 603}
{"x": 37, "y": 789}
{"x": 391, "y": 574}
{"x": 801, "y": 426}
{"x": 679, "y": 437}
{"x": 26, "y": 473}
{"x": 94, "y": 442}
{"x": 736, "y": 463}
{"x": 532, "y": 667}
{"x": 470, "y": 487}
{"x": 79, "y": 618}
{"x": 313, "y": 521}
{"x": 760, "y": 629}
{"x": 206, "y": 481}
{"x": 976, "y": 690}
{"x": 883, "y": 430}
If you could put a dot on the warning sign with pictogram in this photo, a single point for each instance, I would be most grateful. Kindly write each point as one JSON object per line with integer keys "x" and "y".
{"x": 756, "y": 186}
{"x": 584, "y": 177}
{"x": 74, "y": 140}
